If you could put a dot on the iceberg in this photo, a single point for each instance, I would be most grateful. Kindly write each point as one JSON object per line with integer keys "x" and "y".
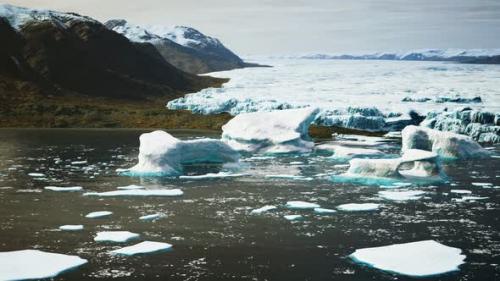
{"x": 35, "y": 264}
{"x": 36, "y": 175}
{"x": 481, "y": 184}
{"x": 281, "y": 131}
{"x": 470, "y": 198}
{"x": 59, "y": 188}
{"x": 130, "y": 187}
{"x": 446, "y": 144}
{"x": 353, "y": 207}
{"x": 115, "y": 236}
{"x": 161, "y": 154}
{"x": 289, "y": 177}
{"x": 261, "y": 210}
{"x": 417, "y": 259}
{"x": 401, "y": 195}
{"x": 151, "y": 217}
{"x": 293, "y": 217}
{"x": 461, "y": 191}
{"x": 213, "y": 176}
{"x": 323, "y": 211}
{"x": 301, "y": 205}
{"x": 98, "y": 214}
{"x": 137, "y": 192}
{"x": 71, "y": 227}
{"x": 344, "y": 152}
{"x": 142, "y": 248}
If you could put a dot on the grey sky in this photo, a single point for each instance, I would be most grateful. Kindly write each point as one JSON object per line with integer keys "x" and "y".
{"x": 296, "y": 26}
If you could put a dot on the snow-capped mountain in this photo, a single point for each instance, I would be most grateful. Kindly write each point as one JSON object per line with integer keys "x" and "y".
{"x": 184, "y": 47}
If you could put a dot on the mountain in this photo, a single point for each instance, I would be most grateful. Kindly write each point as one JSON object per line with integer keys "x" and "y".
{"x": 50, "y": 57}
{"x": 484, "y": 56}
{"x": 184, "y": 47}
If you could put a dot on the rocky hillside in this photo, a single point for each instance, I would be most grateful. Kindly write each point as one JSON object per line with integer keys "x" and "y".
{"x": 184, "y": 47}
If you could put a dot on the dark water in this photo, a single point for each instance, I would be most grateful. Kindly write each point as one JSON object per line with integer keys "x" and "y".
{"x": 214, "y": 236}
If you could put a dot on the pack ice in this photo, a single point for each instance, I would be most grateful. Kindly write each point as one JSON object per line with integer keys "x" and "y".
{"x": 162, "y": 154}
{"x": 418, "y": 259}
{"x": 281, "y": 131}
{"x": 35, "y": 264}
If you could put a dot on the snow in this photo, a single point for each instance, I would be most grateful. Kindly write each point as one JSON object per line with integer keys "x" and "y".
{"x": 401, "y": 195}
{"x": 98, "y": 214}
{"x": 137, "y": 192}
{"x": 324, "y": 211}
{"x": 71, "y": 227}
{"x": 36, "y": 175}
{"x": 130, "y": 187}
{"x": 66, "y": 188}
{"x": 352, "y": 207}
{"x": 460, "y": 191}
{"x": 446, "y": 144}
{"x": 281, "y": 131}
{"x": 418, "y": 259}
{"x": 35, "y": 264}
{"x": 151, "y": 217}
{"x": 301, "y": 205}
{"x": 142, "y": 248}
{"x": 115, "y": 236}
{"x": 213, "y": 176}
{"x": 293, "y": 217}
{"x": 263, "y": 209}
{"x": 161, "y": 154}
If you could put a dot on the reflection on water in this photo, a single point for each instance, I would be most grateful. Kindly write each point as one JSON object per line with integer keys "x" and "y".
{"x": 210, "y": 226}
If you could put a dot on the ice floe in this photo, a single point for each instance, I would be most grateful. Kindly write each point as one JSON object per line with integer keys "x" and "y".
{"x": 35, "y": 264}
{"x": 301, "y": 205}
{"x": 65, "y": 188}
{"x": 82, "y": 162}
{"x": 98, "y": 214}
{"x": 470, "y": 198}
{"x": 281, "y": 131}
{"x": 344, "y": 152}
{"x": 352, "y": 207}
{"x": 142, "y": 248}
{"x": 36, "y": 175}
{"x": 214, "y": 176}
{"x": 151, "y": 217}
{"x": 461, "y": 191}
{"x": 446, "y": 144}
{"x": 323, "y": 211}
{"x": 115, "y": 236}
{"x": 263, "y": 209}
{"x": 418, "y": 259}
{"x": 402, "y": 195}
{"x": 130, "y": 187}
{"x": 161, "y": 154}
{"x": 293, "y": 217}
{"x": 289, "y": 177}
{"x": 71, "y": 227}
{"x": 137, "y": 192}
{"x": 482, "y": 184}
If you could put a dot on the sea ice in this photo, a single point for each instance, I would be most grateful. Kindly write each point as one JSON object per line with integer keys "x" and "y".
{"x": 137, "y": 192}
{"x": 351, "y": 207}
{"x": 281, "y": 131}
{"x": 142, "y": 248}
{"x": 401, "y": 195}
{"x": 130, "y": 187}
{"x": 35, "y": 264}
{"x": 261, "y": 210}
{"x": 98, "y": 214}
{"x": 323, "y": 211}
{"x": 66, "y": 188}
{"x": 71, "y": 227}
{"x": 115, "y": 236}
{"x": 301, "y": 205}
{"x": 292, "y": 217}
{"x": 162, "y": 154}
{"x": 418, "y": 259}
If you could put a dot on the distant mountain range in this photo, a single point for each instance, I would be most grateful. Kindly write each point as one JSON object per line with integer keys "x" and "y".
{"x": 485, "y": 56}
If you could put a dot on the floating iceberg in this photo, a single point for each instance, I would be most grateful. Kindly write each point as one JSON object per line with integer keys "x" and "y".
{"x": 98, "y": 214}
{"x": 262, "y": 210}
{"x": 83, "y": 162}
{"x": 137, "y": 192}
{"x": 401, "y": 195}
{"x": 446, "y": 144}
{"x": 281, "y": 131}
{"x": 323, "y": 211}
{"x": 213, "y": 176}
{"x": 35, "y": 264}
{"x": 60, "y": 188}
{"x": 301, "y": 205}
{"x": 289, "y": 177}
{"x": 36, "y": 175}
{"x": 345, "y": 152}
{"x": 353, "y": 207}
{"x": 293, "y": 217}
{"x": 418, "y": 259}
{"x": 130, "y": 187}
{"x": 142, "y": 248}
{"x": 162, "y": 154}
{"x": 115, "y": 236}
{"x": 151, "y": 217}
{"x": 461, "y": 191}
{"x": 481, "y": 184}
{"x": 470, "y": 198}
{"x": 71, "y": 227}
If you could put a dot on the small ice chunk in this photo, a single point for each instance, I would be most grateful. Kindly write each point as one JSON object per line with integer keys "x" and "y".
{"x": 71, "y": 227}
{"x": 142, "y": 248}
{"x": 151, "y": 217}
{"x": 418, "y": 259}
{"x": 262, "y": 209}
{"x": 66, "y": 188}
{"x": 289, "y": 177}
{"x": 83, "y": 162}
{"x": 36, "y": 175}
{"x": 401, "y": 195}
{"x": 481, "y": 184}
{"x": 461, "y": 191}
{"x": 469, "y": 198}
{"x": 98, "y": 214}
{"x": 130, "y": 187}
{"x": 301, "y": 205}
{"x": 35, "y": 264}
{"x": 115, "y": 236}
{"x": 324, "y": 211}
{"x": 213, "y": 176}
{"x": 293, "y": 217}
{"x": 351, "y": 207}
{"x": 393, "y": 134}
{"x": 345, "y": 152}
{"x": 137, "y": 192}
